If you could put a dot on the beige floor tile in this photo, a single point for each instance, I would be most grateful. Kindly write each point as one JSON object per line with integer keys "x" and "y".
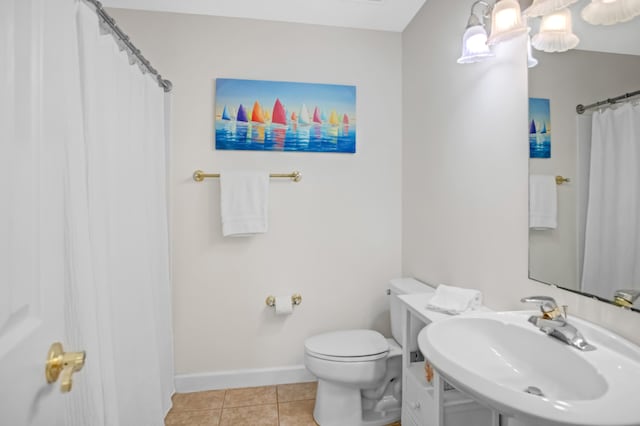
{"x": 207, "y": 400}
{"x": 297, "y": 391}
{"x": 193, "y": 418}
{"x": 296, "y": 413}
{"x": 250, "y": 396}
{"x": 257, "y": 415}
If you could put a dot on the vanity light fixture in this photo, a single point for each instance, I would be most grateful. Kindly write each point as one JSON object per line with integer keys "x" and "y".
{"x": 556, "y": 34}
{"x": 609, "y": 12}
{"x": 474, "y": 40}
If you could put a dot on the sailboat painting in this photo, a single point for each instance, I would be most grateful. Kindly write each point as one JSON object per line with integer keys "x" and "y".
{"x": 539, "y": 128}
{"x": 284, "y": 116}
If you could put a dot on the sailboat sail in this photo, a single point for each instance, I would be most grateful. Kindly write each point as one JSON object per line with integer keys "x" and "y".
{"x": 225, "y": 114}
{"x": 279, "y": 115}
{"x": 242, "y": 114}
{"x": 316, "y": 116}
{"x": 257, "y": 115}
{"x": 345, "y": 119}
{"x": 532, "y": 128}
{"x": 304, "y": 115}
{"x": 333, "y": 119}
{"x": 544, "y": 128}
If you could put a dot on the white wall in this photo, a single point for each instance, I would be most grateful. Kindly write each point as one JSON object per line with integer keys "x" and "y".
{"x": 574, "y": 77}
{"x": 334, "y": 237}
{"x": 465, "y": 163}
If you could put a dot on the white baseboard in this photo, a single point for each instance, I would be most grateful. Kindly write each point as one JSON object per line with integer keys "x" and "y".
{"x": 242, "y": 378}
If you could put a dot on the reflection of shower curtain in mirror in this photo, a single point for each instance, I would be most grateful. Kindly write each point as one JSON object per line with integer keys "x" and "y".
{"x": 612, "y": 237}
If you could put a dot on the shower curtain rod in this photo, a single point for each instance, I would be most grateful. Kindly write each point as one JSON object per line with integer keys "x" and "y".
{"x": 581, "y": 108}
{"x": 166, "y": 84}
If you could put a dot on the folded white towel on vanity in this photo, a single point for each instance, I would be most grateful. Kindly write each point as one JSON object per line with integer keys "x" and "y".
{"x": 543, "y": 202}
{"x": 244, "y": 197}
{"x": 454, "y": 300}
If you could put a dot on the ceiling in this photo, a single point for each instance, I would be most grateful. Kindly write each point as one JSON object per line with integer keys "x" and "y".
{"x": 384, "y": 15}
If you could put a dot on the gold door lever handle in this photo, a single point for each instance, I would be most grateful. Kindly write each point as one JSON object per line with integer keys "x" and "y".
{"x": 63, "y": 363}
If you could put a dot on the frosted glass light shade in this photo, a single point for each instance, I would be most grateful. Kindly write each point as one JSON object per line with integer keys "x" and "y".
{"x": 506, "y": 22}
{"x": 609, "y": 12}
{"x": 556, "y": 33}
{"x": 474, "y": 45}
{"x": 545, "y": 7}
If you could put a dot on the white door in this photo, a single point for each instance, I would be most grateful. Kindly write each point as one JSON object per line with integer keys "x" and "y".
{"x": 32, "y": 227}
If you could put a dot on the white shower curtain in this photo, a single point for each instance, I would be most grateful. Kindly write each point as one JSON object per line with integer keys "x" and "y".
{"x": 119, "y": 299}
{"x": 612, "y": 240}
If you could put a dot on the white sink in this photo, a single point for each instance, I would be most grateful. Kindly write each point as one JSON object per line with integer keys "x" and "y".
{"x": 502, "y": 360}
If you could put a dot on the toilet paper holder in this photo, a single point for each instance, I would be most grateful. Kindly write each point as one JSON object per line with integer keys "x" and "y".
{"x": 296, "y": 299}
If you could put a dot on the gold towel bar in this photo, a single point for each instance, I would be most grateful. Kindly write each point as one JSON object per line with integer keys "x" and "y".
{"x": 561, "y": 179}
{"x": 295, "y": 176}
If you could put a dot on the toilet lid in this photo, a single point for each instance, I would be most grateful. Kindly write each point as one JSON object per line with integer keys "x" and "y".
{"x": 347, "y": 343}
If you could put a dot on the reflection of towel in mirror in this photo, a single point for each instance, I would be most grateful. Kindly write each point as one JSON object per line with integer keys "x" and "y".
{"x": 543, "y": 202}
{"x": 454, "y": 300}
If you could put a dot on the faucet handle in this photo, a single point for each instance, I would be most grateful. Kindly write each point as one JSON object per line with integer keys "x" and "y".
{"x": 547, "y": 304}
{"x": 626, "y": 297}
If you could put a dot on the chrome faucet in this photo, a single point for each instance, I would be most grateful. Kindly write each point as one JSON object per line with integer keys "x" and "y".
{"x": 554, "y": 323}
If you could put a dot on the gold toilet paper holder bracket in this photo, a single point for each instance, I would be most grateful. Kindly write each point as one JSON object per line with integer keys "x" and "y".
{"x": 296, "y": 299}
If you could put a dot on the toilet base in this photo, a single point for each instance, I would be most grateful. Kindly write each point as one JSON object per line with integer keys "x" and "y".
{"x": 340, "y": 405}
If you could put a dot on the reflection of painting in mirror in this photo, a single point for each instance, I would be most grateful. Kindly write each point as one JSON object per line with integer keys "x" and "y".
{"x": 539, "y": 128}
{"x": 575, "y": 77}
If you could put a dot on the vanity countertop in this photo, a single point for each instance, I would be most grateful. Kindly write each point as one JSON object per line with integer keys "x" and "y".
{"x": 417, "y": 303}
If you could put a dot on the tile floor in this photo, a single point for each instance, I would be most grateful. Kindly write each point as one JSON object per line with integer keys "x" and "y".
{"x": 282, "y": 405}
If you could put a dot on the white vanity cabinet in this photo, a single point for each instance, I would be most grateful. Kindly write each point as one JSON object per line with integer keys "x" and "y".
{"x": 434, "y": 403}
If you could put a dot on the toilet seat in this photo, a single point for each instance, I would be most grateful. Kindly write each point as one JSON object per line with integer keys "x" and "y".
{"x": 348, "y": 346}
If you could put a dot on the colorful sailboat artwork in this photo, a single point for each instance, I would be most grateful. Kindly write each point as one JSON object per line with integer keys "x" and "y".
{"x": 288, "y": 125}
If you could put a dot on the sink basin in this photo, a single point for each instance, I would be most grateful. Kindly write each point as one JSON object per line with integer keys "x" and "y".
{"x": 505, "y": 362}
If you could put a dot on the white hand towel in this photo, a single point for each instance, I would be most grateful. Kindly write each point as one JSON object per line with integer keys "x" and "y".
{"x": 454, "y": 300}
{"x": 244, "y": 198}
{"x": 543, "y": 202}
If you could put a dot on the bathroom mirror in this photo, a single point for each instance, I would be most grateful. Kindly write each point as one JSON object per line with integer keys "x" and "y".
{"x": 610, "y": 67}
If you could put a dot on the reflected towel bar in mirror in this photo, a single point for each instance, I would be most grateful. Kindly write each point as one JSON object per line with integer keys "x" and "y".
{"x": 295, "y": 176}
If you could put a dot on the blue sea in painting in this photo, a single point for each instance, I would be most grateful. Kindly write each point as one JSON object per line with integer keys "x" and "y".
{"x": 540, "y": 145}
{"x": 292, "y": 137}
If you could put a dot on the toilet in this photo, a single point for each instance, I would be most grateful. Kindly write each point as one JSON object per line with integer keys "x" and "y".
{"x": 360, "y": 371}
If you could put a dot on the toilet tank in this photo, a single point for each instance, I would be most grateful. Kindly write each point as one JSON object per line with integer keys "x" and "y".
{"x": 400, "y": 286}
